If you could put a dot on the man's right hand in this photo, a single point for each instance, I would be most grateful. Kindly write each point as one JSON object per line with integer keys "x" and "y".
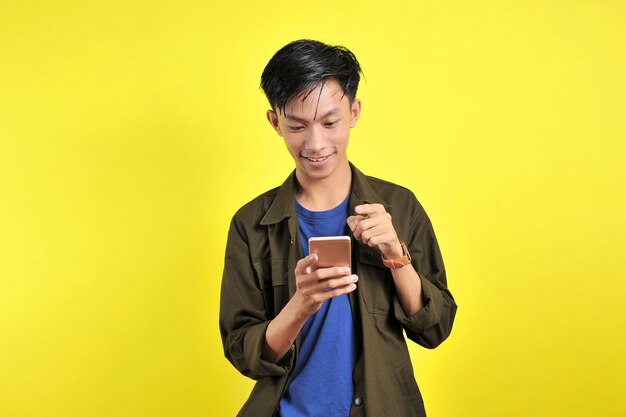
{"x": 314, "y": 286}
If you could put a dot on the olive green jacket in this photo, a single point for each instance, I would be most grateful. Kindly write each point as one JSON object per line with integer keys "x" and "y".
{"x": 261, "y": 255}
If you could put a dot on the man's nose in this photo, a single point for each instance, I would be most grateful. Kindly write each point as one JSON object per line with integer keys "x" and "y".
{"x": 316, "y": 139}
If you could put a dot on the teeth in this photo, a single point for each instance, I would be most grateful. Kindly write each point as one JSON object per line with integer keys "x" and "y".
{"x": 317, "y": 159}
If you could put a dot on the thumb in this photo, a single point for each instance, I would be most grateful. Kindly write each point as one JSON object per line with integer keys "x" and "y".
{"x": 303, "y": 265}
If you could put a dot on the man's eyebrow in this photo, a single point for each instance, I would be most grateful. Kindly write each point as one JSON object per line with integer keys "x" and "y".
{"x": 301, "y": 120}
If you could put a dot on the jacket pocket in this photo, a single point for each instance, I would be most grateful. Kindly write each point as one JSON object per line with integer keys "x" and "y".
{"x": 410, "y": 390}
{"x": 272, "y": 277}
{"x": 375, "y": 281}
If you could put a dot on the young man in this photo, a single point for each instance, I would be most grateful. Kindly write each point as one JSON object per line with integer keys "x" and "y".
{"x": 329, "y": 341}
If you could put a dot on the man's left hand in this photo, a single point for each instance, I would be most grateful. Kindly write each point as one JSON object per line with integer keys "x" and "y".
{"x": 372, "y": 225}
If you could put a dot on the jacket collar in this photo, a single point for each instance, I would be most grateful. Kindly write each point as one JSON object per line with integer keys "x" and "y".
{"x": 283, "y": 204}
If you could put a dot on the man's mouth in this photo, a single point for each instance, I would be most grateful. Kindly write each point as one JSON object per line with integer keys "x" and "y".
{"x": 317, "y": 159}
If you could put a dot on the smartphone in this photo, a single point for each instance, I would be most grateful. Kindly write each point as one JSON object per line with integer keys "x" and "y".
{"x": 331, "y": 251}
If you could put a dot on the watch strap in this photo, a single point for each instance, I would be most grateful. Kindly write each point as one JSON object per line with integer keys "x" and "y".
{"x": 398, "y": 263}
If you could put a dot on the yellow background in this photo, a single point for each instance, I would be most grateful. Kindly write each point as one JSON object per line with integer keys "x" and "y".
{"x": 131, "y": 131}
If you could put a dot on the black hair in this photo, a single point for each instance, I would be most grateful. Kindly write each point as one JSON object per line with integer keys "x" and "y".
{"x": 300, "y": 66}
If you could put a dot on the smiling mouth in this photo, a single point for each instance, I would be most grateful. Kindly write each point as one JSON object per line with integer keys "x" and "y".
{"x": 317, "y": 159}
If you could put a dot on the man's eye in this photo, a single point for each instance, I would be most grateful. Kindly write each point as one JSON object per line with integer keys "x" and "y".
{"x": 331, "y": 124}
{"x": 295, "y": 128}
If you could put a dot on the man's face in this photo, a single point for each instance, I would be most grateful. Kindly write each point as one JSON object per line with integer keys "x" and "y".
{"x": 316, "y": 129}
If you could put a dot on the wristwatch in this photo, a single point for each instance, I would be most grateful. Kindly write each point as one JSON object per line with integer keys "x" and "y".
{"x": 398, "y": 263}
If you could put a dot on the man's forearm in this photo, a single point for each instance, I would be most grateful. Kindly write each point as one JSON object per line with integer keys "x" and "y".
{"x": 282, "y": 332}
{"x": 409, "y": 289}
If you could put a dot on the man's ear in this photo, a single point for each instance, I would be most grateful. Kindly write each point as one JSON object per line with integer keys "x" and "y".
{"x": 272, "y": 117}
{"x": 355, "y": 112}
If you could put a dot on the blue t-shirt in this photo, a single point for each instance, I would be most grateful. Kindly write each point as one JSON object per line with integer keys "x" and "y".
{"x": 321, "y": 382}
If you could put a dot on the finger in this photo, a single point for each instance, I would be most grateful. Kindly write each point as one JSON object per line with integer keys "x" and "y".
{"x": 344, "y": 287}
{"x": 339, "y": 290}
{"x": 335, "y": 292}
{"x": 320, "y": 289}
{"x": 353, "y": 221}
{"x": 335, "y": 282}
{"x": 382, "y": 239}
{"x": 375, "y": 232}
{"x": 378, "y": 228}
{"x": 369, "y": 209}
{"x": 366, "y": 225}
{"x": 303, "y": 265}
{"x": 333, "y": 272}
{"x": 375, "y": 225}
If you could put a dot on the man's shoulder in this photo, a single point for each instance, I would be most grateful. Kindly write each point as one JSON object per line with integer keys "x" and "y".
{"x": 393, "y": 194}
{"x": 384, "y": 184}
{"x": 258, "y": 205}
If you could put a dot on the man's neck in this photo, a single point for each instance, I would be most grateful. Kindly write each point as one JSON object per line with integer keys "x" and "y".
{"x": 326, "y": 193}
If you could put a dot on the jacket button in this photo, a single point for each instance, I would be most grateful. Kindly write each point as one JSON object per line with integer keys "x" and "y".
{"x": 358, "y": 401}
{"x": 369, "y": 256}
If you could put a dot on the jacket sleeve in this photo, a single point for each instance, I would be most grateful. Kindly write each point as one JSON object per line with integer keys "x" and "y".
{"x": 430, "y": 326}
{"x": 243, "y": 319}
